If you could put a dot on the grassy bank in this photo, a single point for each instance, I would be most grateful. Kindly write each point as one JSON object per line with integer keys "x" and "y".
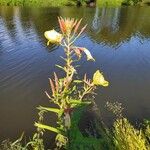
{"x": 43, "y": 3}
{"x": 109, "y": 3}
{"x": 58, "y": 3}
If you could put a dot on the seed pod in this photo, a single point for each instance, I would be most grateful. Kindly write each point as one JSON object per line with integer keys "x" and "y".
{"x": 67, "y": 120}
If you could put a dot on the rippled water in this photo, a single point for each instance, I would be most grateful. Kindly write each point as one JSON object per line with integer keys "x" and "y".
{"x": 119, "y": 39}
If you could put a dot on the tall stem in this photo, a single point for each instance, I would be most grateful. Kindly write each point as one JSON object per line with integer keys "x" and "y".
{"x": 68, "y": 56}
{"x": 69, "y": 71}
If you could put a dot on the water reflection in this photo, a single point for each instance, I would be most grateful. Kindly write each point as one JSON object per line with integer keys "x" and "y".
{"x": 106, "y": 18}
{"x": 111, "y": 26}
{"x": 115, "y": 26}
{"x": 26, "y": 63}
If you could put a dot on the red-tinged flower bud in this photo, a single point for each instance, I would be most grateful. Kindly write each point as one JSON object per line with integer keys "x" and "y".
{"x": 77, "y": 51}
{"x": 63, "y": 25}
{"x": 83, "y": 29}
{"x": 75, "y": 22}
{"x": 56, "y": 82}
{"x": 77, "y": 25}
{"x": 52, "y": 87}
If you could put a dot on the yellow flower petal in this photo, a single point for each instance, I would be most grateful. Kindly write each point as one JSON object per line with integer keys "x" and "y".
{"x": 98, "y": 79}
{"x": 53, "y": 36}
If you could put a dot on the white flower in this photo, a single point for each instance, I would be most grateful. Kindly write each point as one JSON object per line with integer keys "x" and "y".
{"x": 53, "y": 36}
{"x": 88, "y": 54}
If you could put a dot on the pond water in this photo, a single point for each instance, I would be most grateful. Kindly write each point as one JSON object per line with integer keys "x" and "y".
{"x": 118, "y": 38}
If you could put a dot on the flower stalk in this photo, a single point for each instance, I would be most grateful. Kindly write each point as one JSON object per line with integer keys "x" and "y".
{"x": 64, "y": 91}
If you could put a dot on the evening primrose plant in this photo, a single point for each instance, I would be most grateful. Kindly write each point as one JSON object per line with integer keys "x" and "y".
{"x": 69, "y": 94}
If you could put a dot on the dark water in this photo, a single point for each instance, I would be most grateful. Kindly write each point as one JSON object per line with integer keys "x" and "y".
{"x": 119, "y": 39}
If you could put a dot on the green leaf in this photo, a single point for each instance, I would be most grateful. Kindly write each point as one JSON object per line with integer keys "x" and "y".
{"x": 42, "y": 126}
{"x": 78, "y": 102}
{"x": 60, "y": 67}
{"x": 77, "y": 81}
{"x": 55, "y": 110}
{"x": 63, "y": 58}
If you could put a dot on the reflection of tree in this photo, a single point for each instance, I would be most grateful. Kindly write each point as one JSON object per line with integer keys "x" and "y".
{"x": 13, "y": 25}
{"x": 107, "y": 18}
{"x": 96, "y": 21}
{"x": 7, "y": 27}
{"x": 118, "y": 25}
{"x": 113, "y": 25}
{"x": 107, "y": 25}
{"x": 23, "y": 24}
{"x": 7, "y": 16}
{"x": 43, "y": 19}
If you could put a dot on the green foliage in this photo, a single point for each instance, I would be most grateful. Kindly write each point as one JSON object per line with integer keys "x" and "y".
{"x": 109, "y": 2}
{"x": 58, "y": 3}
{"x": 130, "y": 2}
{"x": 127, "y": 137}
{"x": 147, "y": 130}
{"x": 43, "y": 3}
{"x": 16, "y": 145}
{"x": 34, "y": 144}
{"x": 76, "y": 139}
{"x": 12, "y": 2}
{"x": 116, "y": 2}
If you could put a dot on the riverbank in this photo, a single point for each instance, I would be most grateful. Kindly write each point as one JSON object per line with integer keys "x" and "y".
{"x": 59, "y": 3}
{"x": 37, "y": 3}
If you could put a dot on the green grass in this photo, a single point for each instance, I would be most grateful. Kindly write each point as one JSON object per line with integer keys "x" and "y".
{"x": 43, "y": 3}
{"x": 109, "y": 2}
{"x": 58, "y": 3}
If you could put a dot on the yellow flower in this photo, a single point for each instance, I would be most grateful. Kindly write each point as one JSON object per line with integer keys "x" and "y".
{"x": 53, "y": 36}
{"x": 88, "y": 54}
{"x": 98, "y": 79}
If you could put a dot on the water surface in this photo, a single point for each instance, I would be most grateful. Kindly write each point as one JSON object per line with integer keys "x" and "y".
{"x": 119, "y": 39}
